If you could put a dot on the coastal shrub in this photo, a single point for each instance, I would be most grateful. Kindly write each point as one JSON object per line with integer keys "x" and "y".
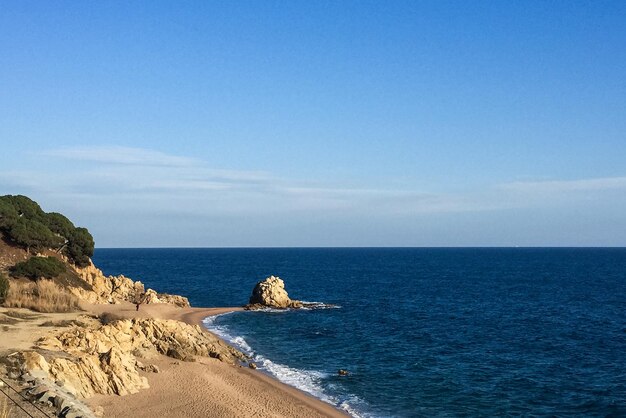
{"x": 38, "y": 267}
{"x": 4, "y": 287}
{"x": 109, "y": 317}
{"x": 41, "y": 296}
{"x": 24, "y": 222}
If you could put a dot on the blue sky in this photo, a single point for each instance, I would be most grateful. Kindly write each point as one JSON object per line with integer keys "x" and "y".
{"x": 313, "y": 123}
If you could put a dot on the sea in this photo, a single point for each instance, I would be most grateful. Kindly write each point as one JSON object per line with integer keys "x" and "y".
{"x": 422, "y": 332}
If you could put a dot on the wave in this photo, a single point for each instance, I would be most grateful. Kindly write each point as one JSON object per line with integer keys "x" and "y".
{"x": 309, "y": 381}
{"x": 318, "y": 305}
{"x": 306, "y": 306}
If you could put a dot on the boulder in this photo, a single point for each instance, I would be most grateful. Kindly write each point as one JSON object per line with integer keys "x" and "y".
{"x": 176, "y": 300}
{"x": 271, "y": 293}
{"x": 32, "y": 361}
{"x": 152, "y": 296}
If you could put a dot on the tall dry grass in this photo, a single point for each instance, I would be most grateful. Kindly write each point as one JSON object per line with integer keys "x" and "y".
{"x": 5, "y": 408}
{"x": 40, "y": 296}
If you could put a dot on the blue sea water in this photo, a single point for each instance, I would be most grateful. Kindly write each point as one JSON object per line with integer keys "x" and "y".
{"x": 423, "y": 332}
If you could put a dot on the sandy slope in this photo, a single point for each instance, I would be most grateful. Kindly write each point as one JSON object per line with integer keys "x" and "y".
{"x": 20, "y": 328}
{"x": 208, "y": 387}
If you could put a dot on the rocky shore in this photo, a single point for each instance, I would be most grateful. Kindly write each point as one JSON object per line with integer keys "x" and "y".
{"x": 77, "y": 343}
{"x": 85, "y": 361}
{"x": 105, "y": 354}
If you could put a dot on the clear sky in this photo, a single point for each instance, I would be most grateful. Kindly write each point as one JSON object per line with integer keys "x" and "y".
{"x": 314, "y": 123}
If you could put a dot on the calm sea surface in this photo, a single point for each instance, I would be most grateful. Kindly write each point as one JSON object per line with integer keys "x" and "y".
{"x": 423, "y": 332}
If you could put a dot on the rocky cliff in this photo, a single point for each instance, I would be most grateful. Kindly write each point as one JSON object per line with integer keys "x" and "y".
{"x": 116, "y": 289}
{"x": 104, "y": 359}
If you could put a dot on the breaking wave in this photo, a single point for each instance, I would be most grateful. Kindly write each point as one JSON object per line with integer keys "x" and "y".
{"x": 309, "y": 381}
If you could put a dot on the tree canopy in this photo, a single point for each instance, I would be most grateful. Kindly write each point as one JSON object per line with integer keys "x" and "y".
{"x": 24, "y": 222}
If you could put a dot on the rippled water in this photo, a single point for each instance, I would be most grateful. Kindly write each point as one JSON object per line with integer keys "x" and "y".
{"x": 423, "y": 332}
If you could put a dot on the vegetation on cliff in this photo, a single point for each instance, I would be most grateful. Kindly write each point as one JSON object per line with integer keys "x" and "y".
{"x": 38, "y": 267}
{"x": 24, "y": 223}
{"x": 4, "y": 287}
{"x": 40, "y": 296}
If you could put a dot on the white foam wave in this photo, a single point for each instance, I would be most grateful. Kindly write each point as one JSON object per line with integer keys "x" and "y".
{"x": 242, "y": 344}
{"x": 306, "y": 306}
{"x": 318, "y": 305}
{"x": 309, "y": 381}
{"x": 272, "y": 310}
{"x": 306, "y": 380}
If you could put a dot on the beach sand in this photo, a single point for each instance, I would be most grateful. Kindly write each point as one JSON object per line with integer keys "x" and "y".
{"x": 208, "y": 387}
{"x": 205, "y": 388}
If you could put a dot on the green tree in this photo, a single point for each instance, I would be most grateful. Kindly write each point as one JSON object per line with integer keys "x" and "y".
{"x": 24, "y": 222}
{"x": 27, "y": 207}
{"x": 59, "y": 224}
{"x": 8, "y": 213}
{"x": 34, "y": 235}
{"x": 80, "y": 247}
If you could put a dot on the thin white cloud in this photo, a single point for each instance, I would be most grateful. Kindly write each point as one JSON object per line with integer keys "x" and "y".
{"x": 152, "y": 181}
{"x": 559, "y": 186}
{"x": 122, "y": 155}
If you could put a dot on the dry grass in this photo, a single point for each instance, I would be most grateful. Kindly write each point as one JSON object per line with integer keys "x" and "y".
{"x": 41, "y": 296}
{"x": 5, "y": 409}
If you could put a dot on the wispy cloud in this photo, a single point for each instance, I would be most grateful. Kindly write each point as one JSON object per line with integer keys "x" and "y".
{"x": 122, "y": 155}
{"x": 149, "y": 180}
{"x": 559, "y": 186}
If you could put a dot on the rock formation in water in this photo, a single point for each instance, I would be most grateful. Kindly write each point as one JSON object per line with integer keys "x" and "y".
{"x": 271, "y": 293}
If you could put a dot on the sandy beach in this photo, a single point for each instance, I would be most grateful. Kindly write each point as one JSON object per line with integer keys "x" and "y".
{"x": 204, "y": 388}
{"x": 207, "y": 387}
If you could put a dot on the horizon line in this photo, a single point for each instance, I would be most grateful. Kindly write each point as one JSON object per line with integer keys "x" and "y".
{"x": 368, "y": 247}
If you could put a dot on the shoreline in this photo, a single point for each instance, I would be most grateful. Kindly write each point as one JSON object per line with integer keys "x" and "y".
{"x": 257, "y": 393}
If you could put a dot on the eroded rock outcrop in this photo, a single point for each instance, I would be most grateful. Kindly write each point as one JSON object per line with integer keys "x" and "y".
{"x": 107, "y": 289}
{"x": 111, "y": 373}
{"x": 102, "y": 360}
{"x": 271, "y": 293}
{"x": 143, "y": 335}
{"x": 39, "y": 386}
{"x": 115, "y": 289}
